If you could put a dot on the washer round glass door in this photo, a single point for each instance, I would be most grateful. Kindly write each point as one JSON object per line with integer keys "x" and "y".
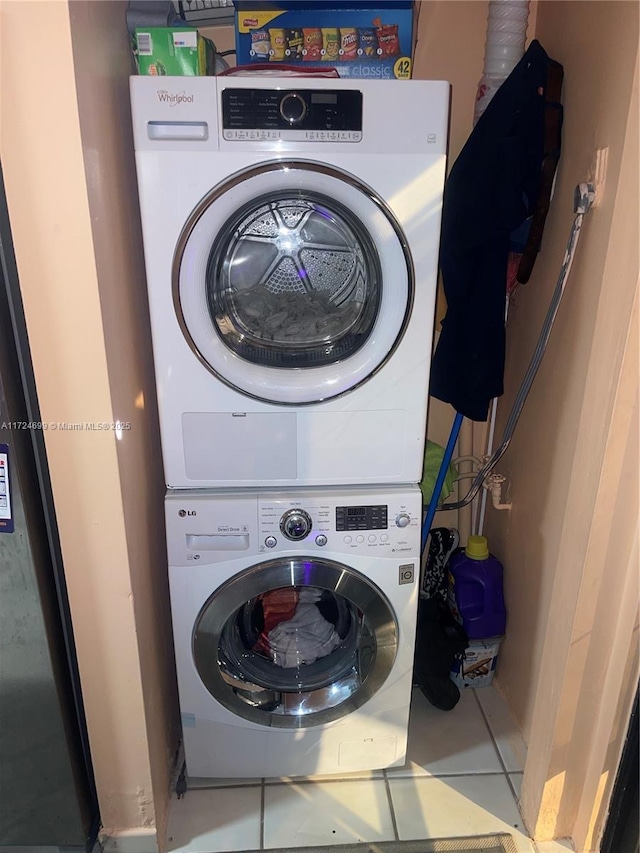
{"x": 295, "y": 642}
{"x": 292, "y": 282}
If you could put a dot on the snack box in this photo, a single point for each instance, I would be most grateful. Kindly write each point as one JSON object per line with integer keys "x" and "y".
{"x": 360, "y": 40}
{"x": 478, "y": 665}
{"x": 173, "y": 51}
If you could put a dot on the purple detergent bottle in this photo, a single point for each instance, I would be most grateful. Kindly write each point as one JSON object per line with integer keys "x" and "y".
{"x": 475, "y": 590}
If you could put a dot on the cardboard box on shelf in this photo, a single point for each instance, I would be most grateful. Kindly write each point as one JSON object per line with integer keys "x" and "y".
{"x": 477, "y": 668}
{"x": 359, "y": 39}
{"x": 171, "y": 51}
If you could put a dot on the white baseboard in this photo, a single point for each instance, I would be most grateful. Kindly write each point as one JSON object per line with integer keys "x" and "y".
{"x": 142, "y": 840}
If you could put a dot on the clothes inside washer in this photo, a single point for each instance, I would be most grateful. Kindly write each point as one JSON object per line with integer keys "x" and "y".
{"x": 278, "y": 605}
{"x": 306, "y": 637}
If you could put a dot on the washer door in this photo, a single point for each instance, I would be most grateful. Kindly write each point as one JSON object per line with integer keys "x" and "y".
{"x": 292, "y": 282}
{"x": 296, "y": 642}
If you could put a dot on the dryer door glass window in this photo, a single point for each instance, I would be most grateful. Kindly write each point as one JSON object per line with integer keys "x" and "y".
{"x": 295, "y": 643}
{"x": 294, "y": 281}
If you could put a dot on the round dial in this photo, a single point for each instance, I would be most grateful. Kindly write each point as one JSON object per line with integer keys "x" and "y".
{"x": 403, "y": 519}
{"x": 293, "y": 108}
{"x": 296, "y": 524}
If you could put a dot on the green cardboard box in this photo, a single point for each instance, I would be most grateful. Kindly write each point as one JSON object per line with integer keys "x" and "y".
{"x": 171, "y": 51}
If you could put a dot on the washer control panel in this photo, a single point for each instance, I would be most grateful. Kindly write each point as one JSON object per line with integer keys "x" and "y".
{"x": 205, "y": 527}
{"x": 311, "y": 523}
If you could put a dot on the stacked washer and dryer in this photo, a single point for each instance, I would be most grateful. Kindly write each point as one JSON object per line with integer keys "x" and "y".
{"x": 291, "y": 231}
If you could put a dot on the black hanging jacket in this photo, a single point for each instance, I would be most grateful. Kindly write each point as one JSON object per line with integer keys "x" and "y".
{"x": 491, "y": 190}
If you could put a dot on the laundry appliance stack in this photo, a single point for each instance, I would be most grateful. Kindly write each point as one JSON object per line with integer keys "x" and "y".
{"x": 291, "y": 230}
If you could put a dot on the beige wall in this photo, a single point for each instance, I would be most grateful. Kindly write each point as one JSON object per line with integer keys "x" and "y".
{"x": 72, "y": 203}
{"x": 456, "y": 57}
{"x": 597, "y": 107}
{"x": 560, "y": 577}
{"x": 103, "y": 64}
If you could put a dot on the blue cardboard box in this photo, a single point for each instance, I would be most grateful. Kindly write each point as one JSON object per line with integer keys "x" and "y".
{"x": 360, "y": 39}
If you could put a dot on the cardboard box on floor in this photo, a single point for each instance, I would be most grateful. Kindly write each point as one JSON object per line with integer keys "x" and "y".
{"x": 478, "y": 666}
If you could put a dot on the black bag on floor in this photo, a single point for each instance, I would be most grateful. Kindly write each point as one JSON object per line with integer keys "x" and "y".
{"x": 440, "y": 640}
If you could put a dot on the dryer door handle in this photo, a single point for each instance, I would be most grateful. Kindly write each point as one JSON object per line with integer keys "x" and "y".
{"x": 178, "y": 130}
{"x": 218, "y": 542}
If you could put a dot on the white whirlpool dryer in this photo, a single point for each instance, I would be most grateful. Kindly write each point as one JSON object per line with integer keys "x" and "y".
{"x": 291, "y": 231}
{"x": 294, "y": 618}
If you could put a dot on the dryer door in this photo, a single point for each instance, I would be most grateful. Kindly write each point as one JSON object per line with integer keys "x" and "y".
{"x": 295, "y": 642}
{"x": 292, "y": 282}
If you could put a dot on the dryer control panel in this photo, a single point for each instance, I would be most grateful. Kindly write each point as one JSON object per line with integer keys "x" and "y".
{"x": 313, "y": 115}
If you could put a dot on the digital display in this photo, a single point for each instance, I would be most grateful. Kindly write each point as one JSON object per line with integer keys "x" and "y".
{"x": 361, "y": 517}
{"x": 356, "y": 510}
{"x": 324, "y": 98}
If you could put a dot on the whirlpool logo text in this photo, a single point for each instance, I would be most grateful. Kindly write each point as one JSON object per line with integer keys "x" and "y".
{"x": 174, "y": 100}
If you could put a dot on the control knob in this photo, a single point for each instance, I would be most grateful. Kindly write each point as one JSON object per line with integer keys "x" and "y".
{"x": 403, "y": 519}
{"x": 293, "y": 108}
{"x": 296, "y": 524}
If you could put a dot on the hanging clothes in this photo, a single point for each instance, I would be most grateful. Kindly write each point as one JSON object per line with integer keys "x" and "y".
{"x": 492, "y": 189}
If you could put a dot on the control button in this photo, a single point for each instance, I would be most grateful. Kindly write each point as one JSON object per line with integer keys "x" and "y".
{"x": 321, "y": 539}
{"x": 271, "y": 541}
{"x": 296, "y": 524}
{"x": 293, "y": 108}
{"x": 384, "y": 538}
{"x": 359, "y": 539}
{"x": 372, "y": 538}
{"x": 403, "y": 519}
{"x": 347, "y": 540}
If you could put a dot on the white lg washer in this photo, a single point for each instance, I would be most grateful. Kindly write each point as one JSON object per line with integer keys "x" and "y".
{"x": 294, "y": 618}
{"x": 291, "y": 231}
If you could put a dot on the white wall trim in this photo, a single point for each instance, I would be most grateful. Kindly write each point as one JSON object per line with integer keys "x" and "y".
{"x": 140, "y": 840}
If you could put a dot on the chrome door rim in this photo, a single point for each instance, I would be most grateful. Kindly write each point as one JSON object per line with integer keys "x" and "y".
{"x": 277, "y": 574}
{"x": 255, "y": 171}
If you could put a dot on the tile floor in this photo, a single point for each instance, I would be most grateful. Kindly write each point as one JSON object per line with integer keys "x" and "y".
{"x": 462, "y": 777}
